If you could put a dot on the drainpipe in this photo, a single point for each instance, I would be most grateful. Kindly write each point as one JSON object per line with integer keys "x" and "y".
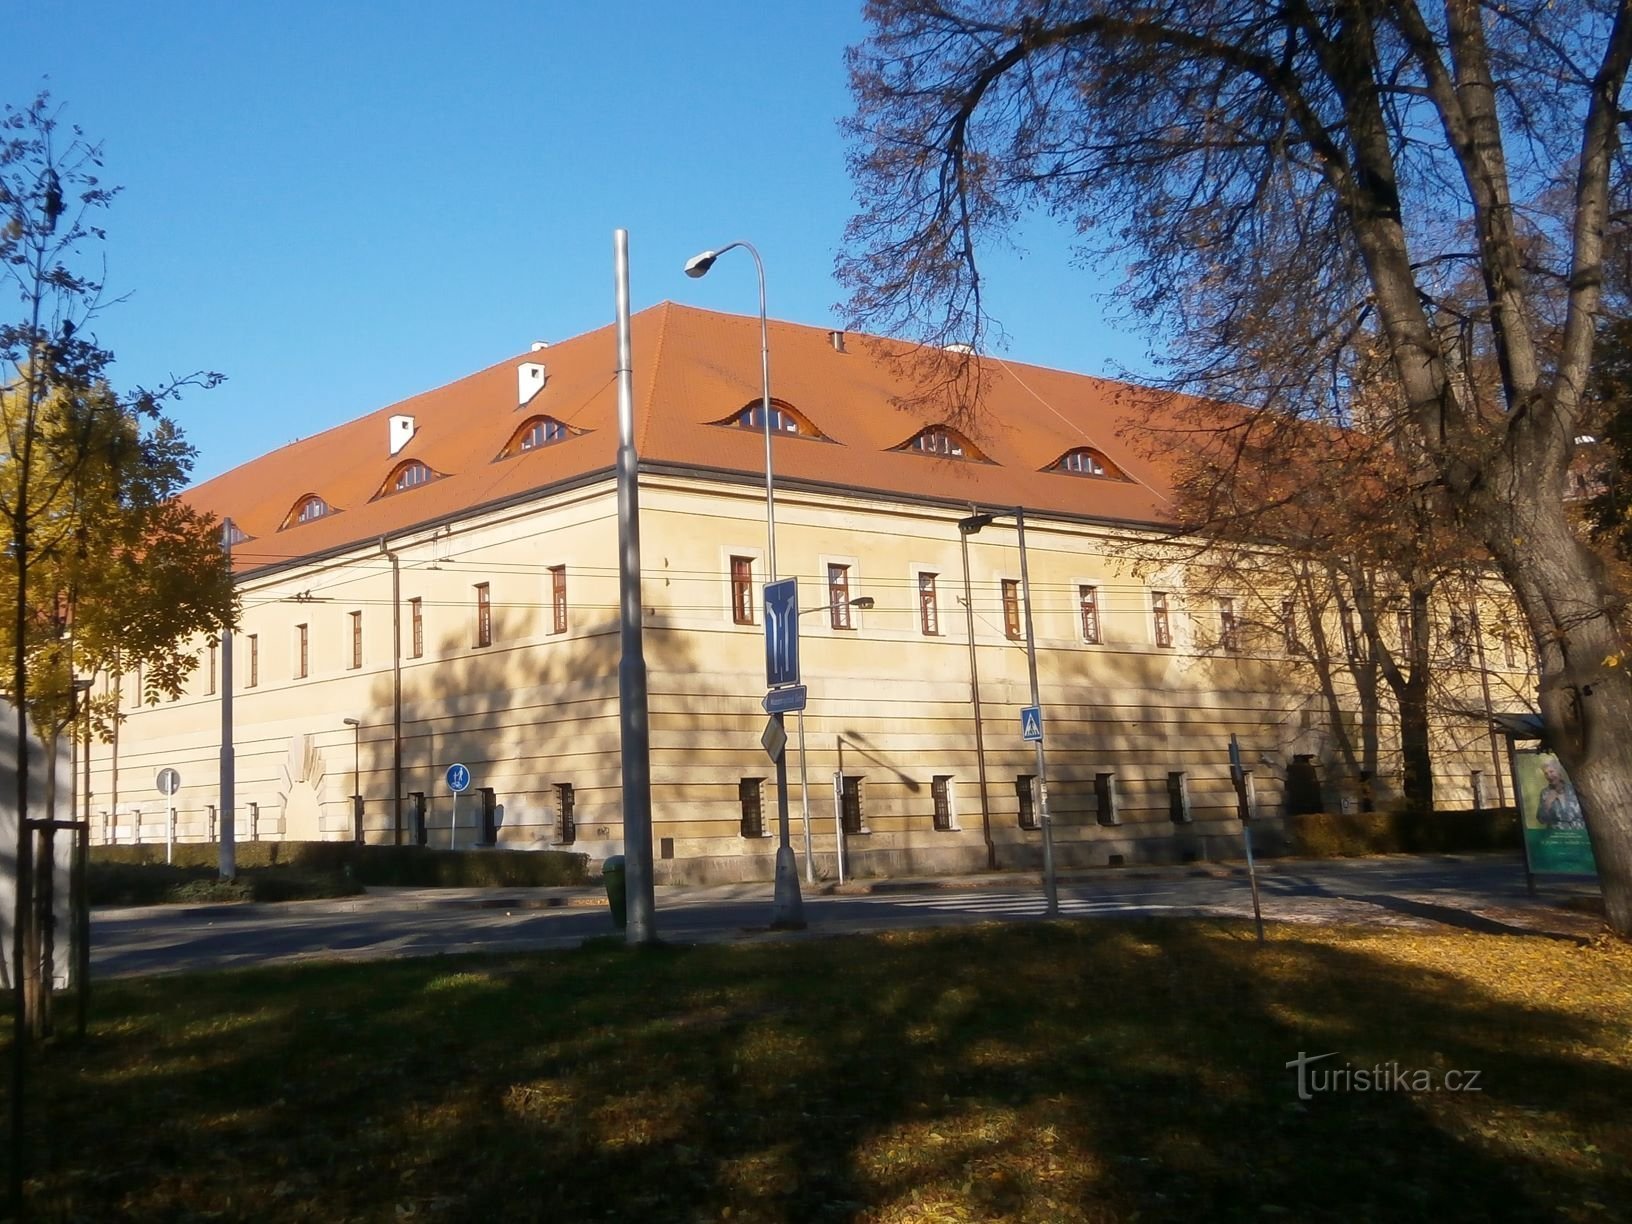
{"x": 396, "y": 694}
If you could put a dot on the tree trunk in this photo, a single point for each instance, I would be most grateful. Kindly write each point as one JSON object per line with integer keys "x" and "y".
{"x": 1416, "y": 752}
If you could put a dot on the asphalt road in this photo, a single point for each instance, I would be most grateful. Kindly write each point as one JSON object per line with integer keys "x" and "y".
{"x": 1464, "y": 891}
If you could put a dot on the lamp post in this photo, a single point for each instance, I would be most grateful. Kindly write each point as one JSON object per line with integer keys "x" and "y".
{"x": 968, "y": 527}
{"x": 787, "y": 909}
{"x": 356, "y": 725}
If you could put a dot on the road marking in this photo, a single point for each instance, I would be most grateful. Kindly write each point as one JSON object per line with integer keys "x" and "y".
{"x": 1009, "y": 903}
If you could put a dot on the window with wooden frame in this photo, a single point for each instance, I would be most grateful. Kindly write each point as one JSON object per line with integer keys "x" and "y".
{"x": 1351, "y": 632}
{"x": 558, "y": 598}
{"x": 302, "y": 651}
{"x": 785, "y": 419}
{"x": 1088, "y": 605}
{"x": 742, "y": 590}
{"x": 356, "y": 640}
{"x": 1161, "y": 625}
{"x": 1011, "y": 609}
{"x": 1510, "y": 645}
{"x": 1025, "y": 790}
{"x": 307, "y": 510}
{"x": 416, "y": 624}
{"x": 1289, "y": 627}
{"x": 566, "y": 822}
{"x": 838, "y": 597}
{"x": 1105, "y": 799}
{"x": 1086, "y": 461}
{"x": 409, "y": 474}
{"x": 944, "y": 442}
{"x": 940, "y": 791}
{"x": 484, "y": 614}
{"x": 1229, "y": 630}
{"x": 929, "y": 620}
{"x": 1406, "y": 624}
{"x": 1460, "y": 640}
{"x": 850, "y": 805}
{"x": 750, "y": 798}
{"x": 254, "y": 660}
{"x": 1178, "y": 796}
{"x": 210, "y": 692}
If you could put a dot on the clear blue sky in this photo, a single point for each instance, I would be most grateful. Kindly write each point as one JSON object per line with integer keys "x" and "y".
{"x": 338, "y": 205}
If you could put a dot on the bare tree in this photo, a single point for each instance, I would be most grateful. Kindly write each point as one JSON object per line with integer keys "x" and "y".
{"x": 1278, "y": 180}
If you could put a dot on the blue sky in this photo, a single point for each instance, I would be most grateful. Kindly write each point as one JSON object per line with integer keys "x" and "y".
{"x": 339, "y": 205}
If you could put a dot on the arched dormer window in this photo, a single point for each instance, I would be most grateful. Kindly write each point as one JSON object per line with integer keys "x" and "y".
{"x": 1086, "y": 461}
{"x": 307, "y": 510}
{"x": 537, "y": 432}
{"x": 409, "y": 474}
{"x": 945, "y": 442}
{"x": 785, "y": 419}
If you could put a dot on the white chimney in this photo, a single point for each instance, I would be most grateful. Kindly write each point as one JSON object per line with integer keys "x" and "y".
{"x": 530, "y": 379}
{"x": 539, "y": 345}
{"x": 402, "y": 432}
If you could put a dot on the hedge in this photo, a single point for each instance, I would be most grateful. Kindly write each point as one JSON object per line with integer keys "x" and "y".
{"x": 412, "y": 866}
{"x": 1333, "y": 835}
{"x": 133, "y": 883}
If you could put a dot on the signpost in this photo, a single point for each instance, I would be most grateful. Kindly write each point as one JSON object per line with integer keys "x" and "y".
{"x": 458, "y": 782}
{"x": 169, "y": 782}
{"x": 1031, "y": 724}
{"x": 1243, "y": 809}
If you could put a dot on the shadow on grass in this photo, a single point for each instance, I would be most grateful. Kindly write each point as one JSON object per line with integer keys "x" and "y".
{"x": 1044, "y": 1072}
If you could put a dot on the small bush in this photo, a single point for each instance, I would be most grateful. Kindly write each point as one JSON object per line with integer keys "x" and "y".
{"x": 1334, "y": 835}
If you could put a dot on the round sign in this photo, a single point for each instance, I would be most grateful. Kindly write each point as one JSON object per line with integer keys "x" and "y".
{"x": 169, "y": 781}
{"x": 458, "y": 778}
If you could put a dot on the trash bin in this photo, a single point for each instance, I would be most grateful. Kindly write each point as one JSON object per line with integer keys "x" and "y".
{"x": 616, "y": 898}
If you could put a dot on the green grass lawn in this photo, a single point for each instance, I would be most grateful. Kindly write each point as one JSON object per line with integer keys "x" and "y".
{"x": 1058, "y": 1072}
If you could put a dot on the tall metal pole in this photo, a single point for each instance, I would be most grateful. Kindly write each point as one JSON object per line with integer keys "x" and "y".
{"x": 228, "y": 858}
{"x": 1050, "y": 888}
{"x": 396, "y": 694}
{"x": 974, "y": 689}
{"x": 804, "y": 804}
{"x": 632, "y": 724}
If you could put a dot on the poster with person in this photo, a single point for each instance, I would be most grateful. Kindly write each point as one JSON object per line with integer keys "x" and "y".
{"x": 1555, "y": 831}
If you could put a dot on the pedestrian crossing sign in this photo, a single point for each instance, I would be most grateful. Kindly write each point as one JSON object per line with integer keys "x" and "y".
{"x": 1031, "y": 724}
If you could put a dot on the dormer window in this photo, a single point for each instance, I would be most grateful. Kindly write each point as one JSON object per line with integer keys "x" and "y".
{"x": 945, "y": 442}
{"x": 235, "y": 534}
{"x": 409, "y": 474}
{"x": 537, "y": 432}
{"x": 1086, "y": 461}
{"x": 308, "y": 509}
{"x": 785, "y": 418}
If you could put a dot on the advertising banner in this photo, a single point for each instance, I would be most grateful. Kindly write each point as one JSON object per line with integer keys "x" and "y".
{"x": 1555, "y": 833}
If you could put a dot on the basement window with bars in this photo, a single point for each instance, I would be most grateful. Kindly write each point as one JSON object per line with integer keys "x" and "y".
{"x": 1178, "y": 796}
{"x": 850, "y": 805}
{"x": 1025, "y": 790}
{"x": 1105, "y": 799}
{"x": 566, "y": 825}
{"x": 750, "y": 797}
{"x": 940, "y": 790}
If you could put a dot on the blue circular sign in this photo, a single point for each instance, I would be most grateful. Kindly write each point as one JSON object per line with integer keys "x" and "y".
{"x": 458, "y": 778}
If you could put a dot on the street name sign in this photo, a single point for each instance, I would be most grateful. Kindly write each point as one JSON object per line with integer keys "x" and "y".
{"x": 785, "y": 700}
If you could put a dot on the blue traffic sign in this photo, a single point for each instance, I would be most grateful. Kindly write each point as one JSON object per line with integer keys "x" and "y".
{"x": 785, "y": 700}
{"x": 458, "y": 778}
{"x": 781, "y": 633}
{"x": 1031, "y": 724}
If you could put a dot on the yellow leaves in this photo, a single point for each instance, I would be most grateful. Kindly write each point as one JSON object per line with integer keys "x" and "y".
{"x": 1612, "y": 660}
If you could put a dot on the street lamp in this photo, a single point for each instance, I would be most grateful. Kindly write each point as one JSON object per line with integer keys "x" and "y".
{"x": 787, "y": 909}
{"x": 356, "y": 726}
{"x": 966, "y": 528}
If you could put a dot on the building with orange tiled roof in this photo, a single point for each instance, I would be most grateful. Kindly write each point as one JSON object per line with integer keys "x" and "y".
{"x": 480, "y": 520}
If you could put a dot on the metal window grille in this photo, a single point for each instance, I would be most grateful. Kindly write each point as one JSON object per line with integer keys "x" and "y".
{"x": 566, "y": 827}
{"x": 750, "y": 793}
{"x": 1105, "y": 798}
{"x": 850, "y": 805}
{"x": 1178, "y": 797}
{"x": 1025, "y": 789}
{"x": 940, "y": 789}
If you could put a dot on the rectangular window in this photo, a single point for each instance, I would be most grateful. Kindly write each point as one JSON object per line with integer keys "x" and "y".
{"x": 558, "y": 597}
{"x": 928, "y": 618}
{"x": 1105, "y": 798}
{"x": 1478, "y": 788}
{"x": 742, "y": 590}
{"x": 1510, "y": 645}
{"x": 209, "y": 822}
{"x": 1289, "y": 627}
{"x": 1161, "y": 625}
{"x": 254, "y": 659}
{"x": 1404, "y": 621}
{"x": 940, "y": 789}
{"x": 210, "y": 692}
{"x": 1025, "y": 789}
{"x": 356, "y": 639}
{"x": 1011, "y": 608}
{"x": 302, "y": 651}
{"x": 850, "y": 805}
{"x": 1461, "y": 640}
{"x": 749, "y": 796}
{"x": 416, "y": 621}
{"x": 484, "y": 615}
{"x": 1229, "y": 631}
{"x": 566, "y": 824}
{"x": 1178, "y": 797}
{"x": 838, "y": 596}
{"x": 254, "y": 822}
{"x": 1351, "y": 635}
{"x": 1088, "y": 602}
